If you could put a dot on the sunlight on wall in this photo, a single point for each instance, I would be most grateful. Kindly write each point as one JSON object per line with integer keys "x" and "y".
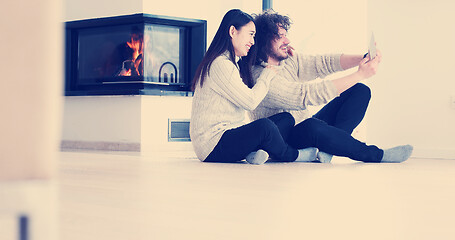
{"x": 326, "y": 26}
{"x": 414, "y": 86}
{"x": 212, "y": 11}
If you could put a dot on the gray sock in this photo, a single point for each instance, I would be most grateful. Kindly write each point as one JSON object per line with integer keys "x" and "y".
{"x": 258, "y": 157}
{"x": 307, "y": 154}
{"x": 324, "y": 157}
{"x": 397, "y": 154}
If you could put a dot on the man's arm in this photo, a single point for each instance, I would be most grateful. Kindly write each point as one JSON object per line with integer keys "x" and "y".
{"x": 350, "y": 61}
{"x": 367, "y": 68}
{"x": 310, "y": 67}
{"x": 295, "y": 95}
{"x": 290, "y": 95}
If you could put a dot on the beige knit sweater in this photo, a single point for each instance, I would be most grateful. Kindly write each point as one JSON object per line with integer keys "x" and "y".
{"x": 293, "y": 88}
{"x": 220, "y": 104}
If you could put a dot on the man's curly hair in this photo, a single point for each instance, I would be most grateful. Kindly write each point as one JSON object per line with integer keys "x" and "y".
{"x": 267, "y": 25}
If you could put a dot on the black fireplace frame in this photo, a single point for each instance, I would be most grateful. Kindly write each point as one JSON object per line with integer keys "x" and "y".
{"x": 195, "y": 41}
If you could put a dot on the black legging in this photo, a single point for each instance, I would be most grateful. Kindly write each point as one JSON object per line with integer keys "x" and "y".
{"x": 330, "y": 129}
{"x": 267, "y": 134}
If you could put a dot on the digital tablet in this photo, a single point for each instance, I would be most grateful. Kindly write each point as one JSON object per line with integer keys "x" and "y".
{"x": 372, "y": 47}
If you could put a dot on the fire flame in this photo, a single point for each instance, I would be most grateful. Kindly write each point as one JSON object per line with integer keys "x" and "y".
{"x": 136, "y": 44}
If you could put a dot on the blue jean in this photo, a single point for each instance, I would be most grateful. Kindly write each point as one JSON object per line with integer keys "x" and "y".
{"x": 267, "y": 134}
{"x": 330, "y": 129}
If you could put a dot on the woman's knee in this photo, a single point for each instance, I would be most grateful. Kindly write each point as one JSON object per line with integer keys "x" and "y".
{"x": 286, "y": 118}
{"x": 266, "y": 130}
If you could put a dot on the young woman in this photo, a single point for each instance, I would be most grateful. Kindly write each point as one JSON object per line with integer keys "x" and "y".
{"x": 218, "y": 131}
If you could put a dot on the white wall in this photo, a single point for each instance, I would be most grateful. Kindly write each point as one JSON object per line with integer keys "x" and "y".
{"x": 411, "y": 101}
{"x": 102, "y": 119}
{"x": 155, "y": 118}
{"x": 329, "y": 26}
{"x": 212, "y": 11}
{"x": 413, "y": 88}
{"x": 83, "y": 9}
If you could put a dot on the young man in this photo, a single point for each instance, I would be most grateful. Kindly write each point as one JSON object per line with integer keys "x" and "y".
{"x": 292, "y": 90}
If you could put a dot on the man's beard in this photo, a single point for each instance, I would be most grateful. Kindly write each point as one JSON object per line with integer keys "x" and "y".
{"x": 276, "y": 56}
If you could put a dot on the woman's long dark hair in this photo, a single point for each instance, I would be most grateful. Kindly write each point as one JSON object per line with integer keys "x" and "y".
{"x": 222, "y": 43}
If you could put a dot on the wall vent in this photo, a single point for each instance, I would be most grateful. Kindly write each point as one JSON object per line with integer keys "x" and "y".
{"x": 179, "y": 130}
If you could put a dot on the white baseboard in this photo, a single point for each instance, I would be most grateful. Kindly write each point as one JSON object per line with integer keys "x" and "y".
{"x": 433, "y": 153}
{"x": 171, "y": 150}
{"x": 100, "y": 146}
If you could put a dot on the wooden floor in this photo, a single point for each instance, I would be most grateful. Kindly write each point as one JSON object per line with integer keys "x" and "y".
{"x": 120, "y": 196}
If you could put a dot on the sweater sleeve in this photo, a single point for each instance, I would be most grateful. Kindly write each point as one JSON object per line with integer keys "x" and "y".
{"x": 228, "y": 83}
{"x": 318, "y": 66}
{"x": 289, "y": 95}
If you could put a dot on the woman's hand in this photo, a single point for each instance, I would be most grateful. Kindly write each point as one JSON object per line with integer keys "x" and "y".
{"x": 290, "y": 50}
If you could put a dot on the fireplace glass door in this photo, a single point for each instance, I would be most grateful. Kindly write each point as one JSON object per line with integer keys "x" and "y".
{"x": 131, "y": 53}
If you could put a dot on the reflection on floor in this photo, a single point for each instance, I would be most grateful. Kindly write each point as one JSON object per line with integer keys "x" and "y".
{"x": 126, "y": 196}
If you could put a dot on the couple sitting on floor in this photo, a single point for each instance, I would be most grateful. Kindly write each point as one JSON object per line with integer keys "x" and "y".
{"x": 250, "y": 66}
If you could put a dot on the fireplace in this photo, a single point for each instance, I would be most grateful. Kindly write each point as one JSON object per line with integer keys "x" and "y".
{"x": 138, "y": 54}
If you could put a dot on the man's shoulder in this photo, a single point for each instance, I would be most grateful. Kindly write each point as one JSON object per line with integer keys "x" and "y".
{"x": 300, "y": 60}
{"x": 257, "y": 68}
{"x": 293, "y": 59}
{"x": 256, "y": 71}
